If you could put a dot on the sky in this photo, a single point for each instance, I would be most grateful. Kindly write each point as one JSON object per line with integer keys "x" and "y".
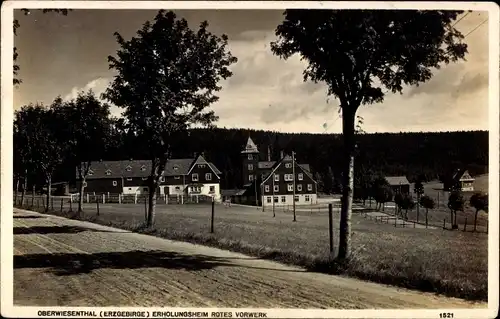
{"x": 62, "y": 55}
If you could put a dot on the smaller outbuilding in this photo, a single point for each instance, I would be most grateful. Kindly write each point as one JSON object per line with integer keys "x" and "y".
{"x": 399, "y": 184}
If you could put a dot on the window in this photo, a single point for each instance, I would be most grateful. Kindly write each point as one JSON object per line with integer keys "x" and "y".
{"x": 212, "y": 189}
{"x": 144, "y": 178}
{"x": 299, "y": 187}
{"x": 195, "y": 189}
{"x": 129, "y": 179}
{"x": 296, "y": 198}
{"x": 115, "y": 183}
{"x": 162, "y": 179}
{"x": 309, "y": 187}
{"x": 276, "y": 188}
{"x": 194, "y": 177}
{"x": 176, "y": 167}
{"x": 130, "y": 188}
{"x": 289, "y": 177}
{"x": 307, "y": 198}
{"x": 143, "y": 168}
{"x": 91, "y": 172}
{"x": 288, "y": 165}
{"x": 250, "y": 157}
{"x": 276, "y": 177}
{"x": 177, "y": 188}
{"x": 290, "y": 187}
{"x": 145, "y": 189}
{"x": 177, "y": 177}
{"x": 84, "y": 184}
{"x": 250, "y": 178}
{"x": 208, "y": 176}
{"x": 108, "y": 172}
{"x": 263, "y": 175}
{"x": 266, "y": 188}
{"x": 250, "y": 167}
{"x": 276, "y": 199}
{"x": 201, "y": 165}
{"x": 300, "y": 176}
{"x": 283, "y": 199}
{"x": 268, "y": 199}
{"x": 129, "y": 168}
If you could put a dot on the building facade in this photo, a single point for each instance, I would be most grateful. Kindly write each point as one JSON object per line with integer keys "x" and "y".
{"x": 461, "y": 179}
{"x": 398, "y": 184}
{"x": 181, "y": 177}
{"x": 271, "y": 183}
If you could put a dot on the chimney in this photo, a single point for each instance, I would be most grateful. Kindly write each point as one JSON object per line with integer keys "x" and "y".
{"x": 282, "y": 154}
{"x": 268, "y": 153}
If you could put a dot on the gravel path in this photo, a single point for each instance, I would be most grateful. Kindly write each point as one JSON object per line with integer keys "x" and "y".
{"x": 61, "y": 262}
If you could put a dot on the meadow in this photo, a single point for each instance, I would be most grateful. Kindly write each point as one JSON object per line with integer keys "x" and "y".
{"x": 447, "y": 262}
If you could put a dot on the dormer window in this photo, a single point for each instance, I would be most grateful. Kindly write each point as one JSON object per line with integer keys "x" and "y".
{"x": 288, "y": 165}
{"x": 128, "y": 168}
{"x": 176, "y": 168}
{"x": 201, "y": 165}
{"x": 250, "y": 157}
{"x": 108, "y": 172}
{"x": 143, "y": 168}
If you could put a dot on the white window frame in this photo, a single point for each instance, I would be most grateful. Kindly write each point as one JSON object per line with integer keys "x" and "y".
{"x": 283, "y": 199}
{"x": 108, "y": 172}
{"x": 308, "y": 198}
{"x": 143, "y": 168}
{"x": 115, "y": 183}
{"x": 288, "y": 177}
{"x": 309, "y": 187}
{"x": 212, "y": 189}
{"x": 296, "y": 198}
{"x": 144, "y": 178}
{"x": 276, "y": 188}
{"x": 289, "y": 187}
{"x": 288, "y": 165}
{"x": 250, "y": 157}
{"x": 269, "y": 199}
{"x": 276, "y": 177}
{"x": 208, "y": 176}
{"x": 299, "y": 187}
{"x": 266, "y": 188}
{"x": 177, "y": 188}
{"x": 129, "y": 179}
{"x": 201, "y": 165}
{"x": 177, "y": 177}
{"x": 128, "y": 168}
{"x": 250, "y": 178}
{"x": 250, "y": 167}
{"x": 193, "y": 177}
{"x": 276, "y": 199}
{"x": 300, "y": 176}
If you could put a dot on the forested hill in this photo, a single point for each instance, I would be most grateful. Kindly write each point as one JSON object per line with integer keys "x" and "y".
{"x": 410, "y": 154}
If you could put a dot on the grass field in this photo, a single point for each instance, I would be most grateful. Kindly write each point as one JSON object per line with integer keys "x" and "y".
{"x": 451, "y": 263}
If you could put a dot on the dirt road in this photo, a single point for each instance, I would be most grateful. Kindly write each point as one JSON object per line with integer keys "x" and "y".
{"x": 61, "y": 262}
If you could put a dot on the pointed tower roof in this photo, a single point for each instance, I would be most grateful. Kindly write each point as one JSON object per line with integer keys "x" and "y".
{"x": 250, "y": 147}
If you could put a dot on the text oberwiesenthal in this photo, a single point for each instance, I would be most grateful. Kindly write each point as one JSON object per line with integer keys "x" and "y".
{"x": 148, "y": 314}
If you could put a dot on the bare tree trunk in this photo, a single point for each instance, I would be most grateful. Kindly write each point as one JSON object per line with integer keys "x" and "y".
{"x": 426, "y": 215}
{"x": 49, "y": 191}
{"x": 17, "y": 190}
{"x": 418, "y": 211}
{"x": 33, "y": 195}
{"x": 347, "y": 183}
{"x": 152, "y": 202}
{"x": 25, "y": 186}
{"x": 451, "y": 218}
{"x": 475, "y": 219}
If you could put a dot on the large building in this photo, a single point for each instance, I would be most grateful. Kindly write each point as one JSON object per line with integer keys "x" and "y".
{"x": 273, "y": 182}
{"x": 187, "y": 176}
{"x": 460, "y": 179}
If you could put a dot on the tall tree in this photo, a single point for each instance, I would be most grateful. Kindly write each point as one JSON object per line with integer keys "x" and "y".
{"x": 167, "y": 77}
{"x": 480, "y": 202}
{"x": 455, "y": 203}
{"x": 358, "y": 53}
{"x": 86, "y": 131}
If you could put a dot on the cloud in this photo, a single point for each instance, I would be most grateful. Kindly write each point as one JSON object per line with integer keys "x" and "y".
{"x": 98, "y": 86}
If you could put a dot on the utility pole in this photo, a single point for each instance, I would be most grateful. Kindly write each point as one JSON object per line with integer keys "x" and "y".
{"x": 274, "y": 214}
{"x": 293, "y": 172}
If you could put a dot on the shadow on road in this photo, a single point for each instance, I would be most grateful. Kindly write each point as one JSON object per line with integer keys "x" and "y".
{"x": 63, "y": 264}
{"x": 27, "y": 217}
{"x": 53, "y": 230}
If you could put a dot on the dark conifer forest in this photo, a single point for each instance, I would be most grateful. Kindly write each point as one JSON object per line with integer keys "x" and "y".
{"x": 430, "y": 155}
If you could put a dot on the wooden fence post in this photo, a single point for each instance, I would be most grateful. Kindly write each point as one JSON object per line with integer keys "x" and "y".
{"x": 135, "y": 198}
{"x": 212, "y": 218}
{"x": 88, "y": 198}
{"x": 465, "y": 225}
{"x": 52, "y": 203}
{"x": 104, "y": 198}
{"x": 444, "y": 222}
{"x": 61, "y": 204}
{"x": 330, "y": 226}
{"x": 97, "y": 201}
{"x": 395, "y": 220}
{"x": 119, "y": 198}
{"x": 71, "y": 203}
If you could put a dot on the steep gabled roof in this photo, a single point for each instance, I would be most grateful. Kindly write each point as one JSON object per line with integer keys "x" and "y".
{"x": 462, "y": 174}
{"x": 201, "y": 160}
{"x": 250, "y": 147}
{"x": 286, "y": 158}
{"x": 397, "y": 180}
